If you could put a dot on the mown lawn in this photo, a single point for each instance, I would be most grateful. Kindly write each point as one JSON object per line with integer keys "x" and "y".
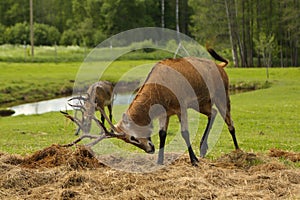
{"x": 264, "y": 119}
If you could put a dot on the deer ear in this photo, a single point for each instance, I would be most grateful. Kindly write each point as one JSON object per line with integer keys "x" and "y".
{"x": 125, "y": 118}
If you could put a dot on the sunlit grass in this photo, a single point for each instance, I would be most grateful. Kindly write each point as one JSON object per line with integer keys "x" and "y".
{"x": 264, "y": 119}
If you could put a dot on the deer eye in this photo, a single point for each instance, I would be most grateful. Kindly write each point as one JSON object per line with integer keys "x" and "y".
{"x": 134, "y": 140}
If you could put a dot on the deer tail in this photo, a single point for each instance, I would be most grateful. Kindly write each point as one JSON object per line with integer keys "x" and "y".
{"x": 216, "y": 56}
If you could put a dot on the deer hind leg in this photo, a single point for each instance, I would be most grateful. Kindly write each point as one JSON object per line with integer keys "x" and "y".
{"x": 163, "y": 124}
{"x": 186, "y": 136}
{"x": 231, "y": 129}
{"x": 225, "y": 113}
{"x": 211, "y": 115}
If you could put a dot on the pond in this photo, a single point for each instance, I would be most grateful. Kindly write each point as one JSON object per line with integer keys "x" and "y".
{"x": 59, "y": 104}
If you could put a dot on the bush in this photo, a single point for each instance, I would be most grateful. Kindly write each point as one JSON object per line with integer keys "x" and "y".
{"x": 17, "y": 34}
{"x": 2, "y": 30}
{"x": 20, "y": 33}
{"x": 70, "y": 37}
{"x": 98, "y": 37}
{"x": 45, "y": 34}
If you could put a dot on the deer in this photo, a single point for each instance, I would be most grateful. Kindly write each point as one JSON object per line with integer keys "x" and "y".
{"x": 99, "y": 95}
{"x": 171, "y": 88}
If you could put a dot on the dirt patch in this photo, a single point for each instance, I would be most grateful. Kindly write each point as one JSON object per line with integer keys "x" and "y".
{"x": 66, "y": 173}
{"x": 292, "y": 156}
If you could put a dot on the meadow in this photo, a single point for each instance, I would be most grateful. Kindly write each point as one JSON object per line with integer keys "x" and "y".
{"x": 264, "y": 118}
{"x": 267, "y": 125}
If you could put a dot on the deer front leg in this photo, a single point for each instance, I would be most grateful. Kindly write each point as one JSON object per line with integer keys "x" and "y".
{"x": 186, "y": 136}
{"x": 110, "y": 111}
{"x": 163, "y": 123}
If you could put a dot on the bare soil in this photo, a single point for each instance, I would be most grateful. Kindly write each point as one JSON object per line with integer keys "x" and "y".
{"x": 74, "y": 173}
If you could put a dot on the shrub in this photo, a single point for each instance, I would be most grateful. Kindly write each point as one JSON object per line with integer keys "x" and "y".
{"x": 17, "y": 34}
{"x": 98, "y": 37}
{"x": 45, "y": 34}
{"x": 2, "y": 30}
{"x": 20, "y": 33}
{"x": 70, "y": 37}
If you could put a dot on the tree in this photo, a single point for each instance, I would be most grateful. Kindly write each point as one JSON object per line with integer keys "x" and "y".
{"x": 266, "y": 47}
{"x": 233, "y": 29}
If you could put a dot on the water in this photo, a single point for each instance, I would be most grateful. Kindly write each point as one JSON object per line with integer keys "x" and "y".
{"x": 60, "y": 104}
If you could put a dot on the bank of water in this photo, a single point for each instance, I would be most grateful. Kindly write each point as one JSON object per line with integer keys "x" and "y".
{"x": 59, "y": 104}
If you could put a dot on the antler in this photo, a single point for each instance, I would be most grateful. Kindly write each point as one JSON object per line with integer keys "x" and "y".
{"x": 108, "y": 120}
{"x": 104, "y": 133}
{"x": 79, "y": 98}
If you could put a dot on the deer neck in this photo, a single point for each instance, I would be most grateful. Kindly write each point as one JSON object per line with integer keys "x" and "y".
{"x": 140, "y": 109}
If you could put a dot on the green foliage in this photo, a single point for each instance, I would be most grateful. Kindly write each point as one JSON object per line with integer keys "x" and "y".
{"x": 248, "y": 20}
{"x": 116, "y": 12}
{"x": 20, "y": 34}
{"x": 210, "y": 27}
{"x": 45, "y": 35}
{"x": 17, "y": 34}
{"x": 267, "y": 47}
{"x": 98, "y": 37}
{"x": 69, "y": 37}
{"x": 88, "y": 22}
{"x": 2, "y": 36}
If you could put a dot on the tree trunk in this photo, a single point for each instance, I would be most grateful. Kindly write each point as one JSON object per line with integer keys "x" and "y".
{"x": 258, "y": 29}
{"x": 163, "y": 13}
{"x": 177, "y": 17}
{"x": 231, "y": 35}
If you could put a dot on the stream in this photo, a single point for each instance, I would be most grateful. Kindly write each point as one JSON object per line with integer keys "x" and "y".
{"x": 59, "y": 104}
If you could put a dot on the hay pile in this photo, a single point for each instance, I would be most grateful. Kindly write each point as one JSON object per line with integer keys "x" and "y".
{"x": 64, "y": 173}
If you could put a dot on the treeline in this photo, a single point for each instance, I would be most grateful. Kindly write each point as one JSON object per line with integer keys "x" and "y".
{"x": 252, "y": 32}
{"x": 84, "y": 22}
{"x": 259, "y": 33}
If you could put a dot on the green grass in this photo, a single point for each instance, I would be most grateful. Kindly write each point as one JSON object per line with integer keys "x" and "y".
{"x": 264, "y": 119}
{"x": 267, "y": 118}
{"x": 65, "y": 54}
{"x": 18, "y": 53}
{"x": 30, "y": 82}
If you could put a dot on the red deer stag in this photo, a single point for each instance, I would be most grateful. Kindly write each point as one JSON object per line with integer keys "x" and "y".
{"x": 173, "y": 86}
{"x": 99, "y": 95}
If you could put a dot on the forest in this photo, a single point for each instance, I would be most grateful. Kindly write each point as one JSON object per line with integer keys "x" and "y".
{"x": 253, "y": 33}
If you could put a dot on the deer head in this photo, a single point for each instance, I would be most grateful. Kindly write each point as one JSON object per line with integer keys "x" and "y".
{"x": 125, "y": 129}
{"x": 139, "y": 136}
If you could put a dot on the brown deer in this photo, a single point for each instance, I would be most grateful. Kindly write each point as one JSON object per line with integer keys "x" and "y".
{"x": 173, "y": 86}
{"x": 99, "y": 95}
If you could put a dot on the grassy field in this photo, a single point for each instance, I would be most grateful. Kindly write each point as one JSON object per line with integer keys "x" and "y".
{"x": 264, "y": 119}
{"x": 65, "y": 54}
{"x": 30, "y": 82}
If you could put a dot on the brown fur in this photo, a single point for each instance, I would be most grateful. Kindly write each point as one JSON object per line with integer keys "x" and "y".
{"x": 100, "y": 94}
{"x": 173, "y": 86}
